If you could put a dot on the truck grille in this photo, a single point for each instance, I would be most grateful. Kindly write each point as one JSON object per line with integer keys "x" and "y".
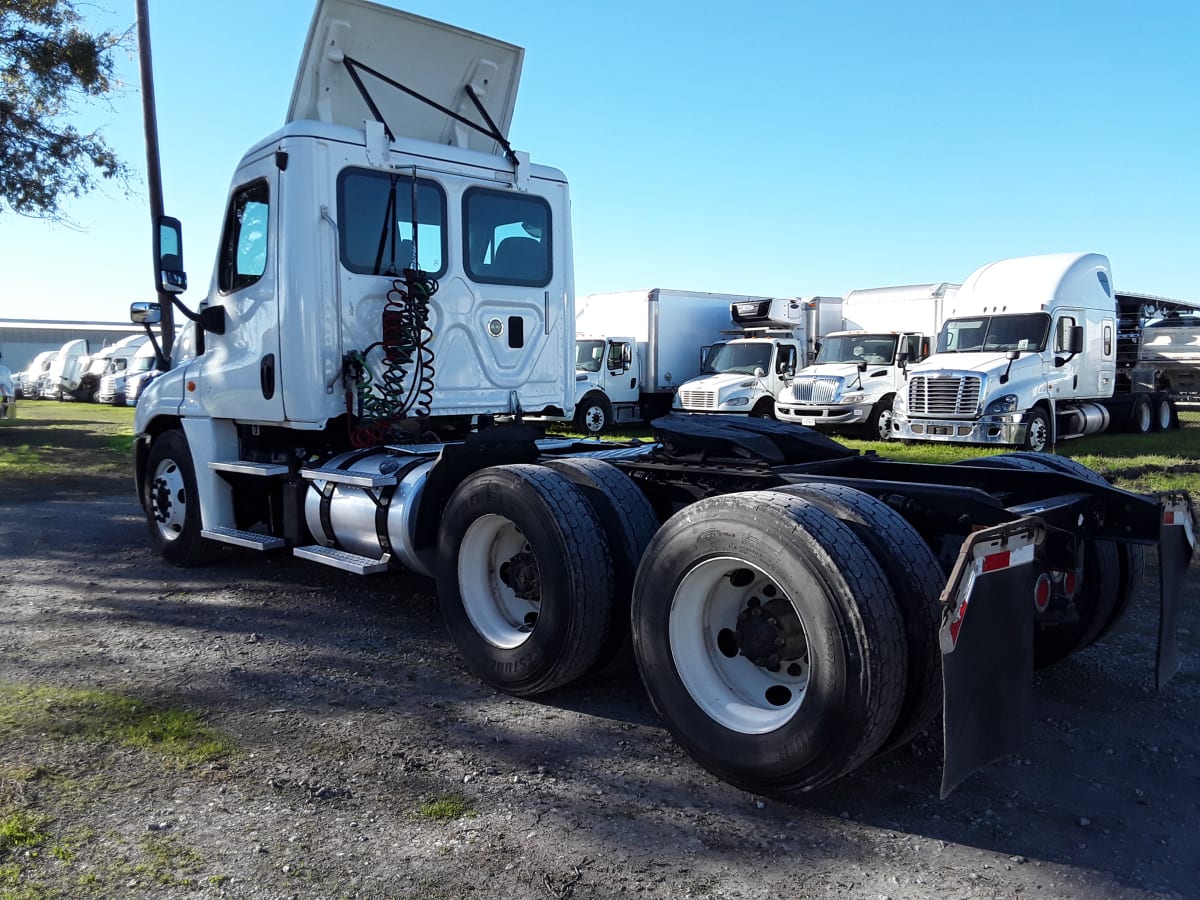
{"x": 943, "y": 395}
{"x": 698, "y": 399}
{"x": 816, "y": 389}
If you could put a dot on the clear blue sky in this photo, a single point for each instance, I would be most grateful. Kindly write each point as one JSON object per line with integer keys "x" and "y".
{"x": 783, "y": 149}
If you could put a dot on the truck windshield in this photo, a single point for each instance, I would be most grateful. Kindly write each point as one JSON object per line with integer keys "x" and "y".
{"x": 589, "y": 355}
{"x": 995, "y": 333}
{"x": 876, "y": 349}
{"x": 743, "y": 358}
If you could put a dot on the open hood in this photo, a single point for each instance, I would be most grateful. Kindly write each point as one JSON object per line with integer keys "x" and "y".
{"x": 437, "y": 62}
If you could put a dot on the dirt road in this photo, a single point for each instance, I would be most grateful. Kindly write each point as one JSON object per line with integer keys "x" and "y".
{"x": 369, "y": 763}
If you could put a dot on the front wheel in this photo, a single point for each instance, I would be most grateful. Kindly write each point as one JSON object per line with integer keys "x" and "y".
{"x": 593, "y": 415}
{"x": 769, "y": 641}
{"x": 172, "y": 502}
{"x": 1037, "y": 431}
{"x": 879, "y": 426}
{"x": 764, "y": 409}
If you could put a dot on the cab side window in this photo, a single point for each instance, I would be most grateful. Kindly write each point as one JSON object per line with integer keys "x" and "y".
{"x": 244, "y": 239}
{"x": 506, "y": 238}
{"x": 379, "y": 233}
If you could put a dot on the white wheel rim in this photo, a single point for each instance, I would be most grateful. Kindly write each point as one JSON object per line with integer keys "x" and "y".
{"x": 732, "y": 690}
{"x": 594, "y": 418}
{"x": 1164, "y": 415}
{"x": 499, "y": 614}
{"x": 1144, "y": 414}
{"x": 168, "y": 499}
{"x": 1037, "y": 435}
{"x": 885, "y": 424}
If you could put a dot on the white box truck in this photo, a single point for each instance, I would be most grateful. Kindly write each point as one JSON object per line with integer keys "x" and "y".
{"x": 860, "y": 365}
{"x": 634, "y": 348}
{"x": 1027, "y": 357}
{"x": 746, "y": 373}
{"x": 393, "y": 269}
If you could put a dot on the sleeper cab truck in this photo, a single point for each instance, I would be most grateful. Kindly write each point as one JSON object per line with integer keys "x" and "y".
{"x": 794, "y": 607}
{"x": 1027, "y": 357}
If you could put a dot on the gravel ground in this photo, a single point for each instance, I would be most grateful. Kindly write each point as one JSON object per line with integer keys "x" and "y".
{"x": 369, "y": 763}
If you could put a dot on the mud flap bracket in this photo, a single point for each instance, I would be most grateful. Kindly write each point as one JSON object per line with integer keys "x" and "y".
{"x": 1176, "y": 542}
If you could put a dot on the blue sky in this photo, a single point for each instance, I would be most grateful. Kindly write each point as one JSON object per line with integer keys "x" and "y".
{"x": 783, "y": 149}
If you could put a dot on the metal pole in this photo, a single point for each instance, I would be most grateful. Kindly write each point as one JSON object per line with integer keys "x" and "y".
{"x": 153, "y": 169}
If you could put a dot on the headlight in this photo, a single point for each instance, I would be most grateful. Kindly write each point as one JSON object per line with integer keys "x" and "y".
{"x": 900, "y": 403}
{"x": 737, "y": 401}
{"x": 1001, "y": 405}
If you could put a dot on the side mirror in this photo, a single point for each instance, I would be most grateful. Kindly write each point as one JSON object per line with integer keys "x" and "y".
{"x": 902, "y": 359}
{"x": 759, "y": 371}
{"x": 1075, "y": 340}
{"x": 212, "y": 319}
{"x": 168, "y": 255}
{"x": 1012, "y": 355}
{"x": 142, "y": 313}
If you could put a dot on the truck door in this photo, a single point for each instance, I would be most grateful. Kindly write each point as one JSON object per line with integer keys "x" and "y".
{"x": 1064, "y": 367}
{"x": 620, "y": 376}
{"x": 239, "y": 373}
{"x": 784, "y": 369}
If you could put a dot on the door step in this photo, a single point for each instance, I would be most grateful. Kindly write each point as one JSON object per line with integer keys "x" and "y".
{"x": 249, "y": 539}
{"x": 340, "y": 559}
{"x": 245, "y": 467}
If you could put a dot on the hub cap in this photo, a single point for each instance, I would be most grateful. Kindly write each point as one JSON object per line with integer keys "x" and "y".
{"x": 168, "y": 500}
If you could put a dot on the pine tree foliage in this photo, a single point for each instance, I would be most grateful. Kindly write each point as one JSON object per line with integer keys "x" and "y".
{"x": 50, "y": 65}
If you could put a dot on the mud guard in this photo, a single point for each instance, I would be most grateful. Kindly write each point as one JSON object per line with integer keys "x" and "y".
{"x": 987, "y": 647}
{"x": 1176, "y": 542}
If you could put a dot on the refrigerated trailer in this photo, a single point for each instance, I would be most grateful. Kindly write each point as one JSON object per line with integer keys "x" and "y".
{"x": 395, "y": 280}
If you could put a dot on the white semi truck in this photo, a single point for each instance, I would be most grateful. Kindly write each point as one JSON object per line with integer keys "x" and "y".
{"x": 8, "y": 395}
{"x": 1027, "y": 357}
{"x": 131, "y": 357}
{"x": 393, "y": 274}
{"x": 66, "y": 368}
{"x": 859, "y": 367}
{"x": 754, "y": 365}
{"x": 27, "y": 382}
{"x": 633, "y": 349}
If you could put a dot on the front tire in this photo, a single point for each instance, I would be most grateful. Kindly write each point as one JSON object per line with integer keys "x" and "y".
{"x": 879, "y": 425}
{"x": 768, "y": 640}
{"x": 171, "y": 502}
{"x": 764, "y": 409}
{"x": 593, "y": 415}
{"x": 524, "y": 578}
{"x": 1037, "y": 431}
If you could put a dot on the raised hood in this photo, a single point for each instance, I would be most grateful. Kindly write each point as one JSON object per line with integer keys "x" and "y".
{"x": 428, "y": 58}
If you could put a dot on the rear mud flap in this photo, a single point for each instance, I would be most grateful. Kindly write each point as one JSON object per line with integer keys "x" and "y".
{"x": 1176, "y": 543}
{"x": 987, "y": 647}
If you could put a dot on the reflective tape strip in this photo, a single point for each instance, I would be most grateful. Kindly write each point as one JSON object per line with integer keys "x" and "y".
{"x": 987, "y": 559}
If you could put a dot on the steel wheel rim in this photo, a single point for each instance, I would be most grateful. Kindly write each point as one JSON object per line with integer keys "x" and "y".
{"x": 885, "y": 424}
{"x": 168, "y": 500}
{"x": 1038, "y": 435}
{"x": 731, "y": 690}
{"x": 1164, "y": 415}
{"x": 1144, "y": 420}
{"x": 498, "y": 614}
{"x": 593, "y": 419}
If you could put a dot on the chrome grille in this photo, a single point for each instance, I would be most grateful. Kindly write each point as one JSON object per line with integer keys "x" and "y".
{"x": 698, "y": 399}
{"x": 943, "y": 395}
{"x": 816, "y": 388}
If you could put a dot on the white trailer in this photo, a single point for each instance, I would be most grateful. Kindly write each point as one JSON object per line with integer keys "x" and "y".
{"x": 1027, "y": 357}
{"x": 634, "y": 348}
{"x": 746, "y": 373}
{"x": 860, "y": 365}
{"x": 393, "y": 272}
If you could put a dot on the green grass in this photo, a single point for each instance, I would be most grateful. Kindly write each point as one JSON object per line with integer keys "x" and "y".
{"x": 77, "y": 447}
{"x": 447, "y": 807}
{"x": 103, "y": 717}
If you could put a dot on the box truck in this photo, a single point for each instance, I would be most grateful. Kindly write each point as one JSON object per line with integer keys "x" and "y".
{"x": 860, "y": 365}
{"x": 634, "y": 348}
{"x": 391, "y": 270}
{"x": 747, "y": 372}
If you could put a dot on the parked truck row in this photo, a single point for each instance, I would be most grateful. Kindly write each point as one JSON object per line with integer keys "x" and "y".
{"x": 74, "y": 373}
{"x": 395, "y": 283}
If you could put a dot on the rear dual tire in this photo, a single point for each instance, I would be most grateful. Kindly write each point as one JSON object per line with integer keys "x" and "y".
{"x": 769, "y": 640}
